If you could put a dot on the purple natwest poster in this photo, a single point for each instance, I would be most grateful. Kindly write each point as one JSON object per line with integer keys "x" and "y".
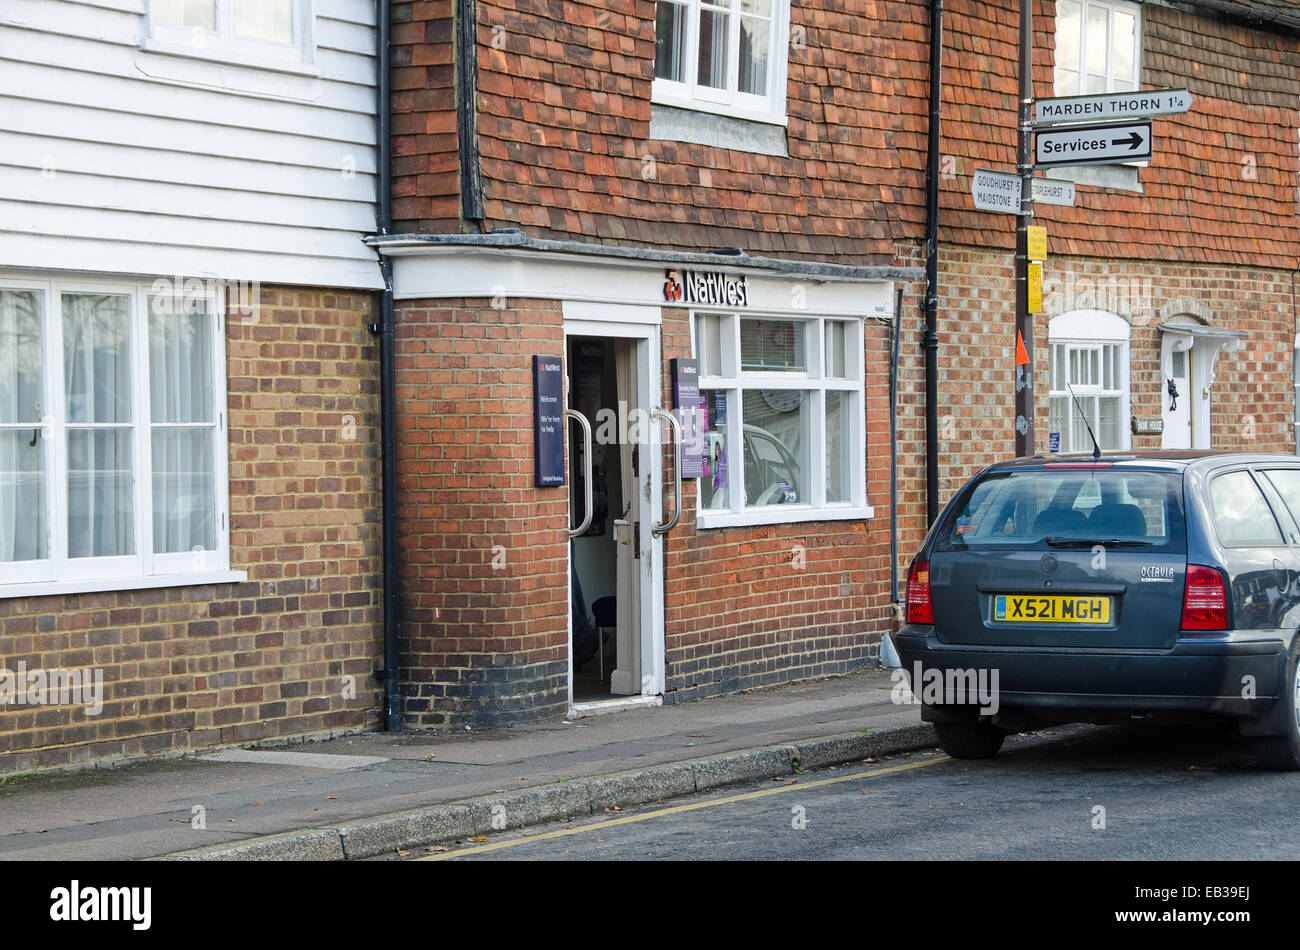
{"x": 686, "y": 400}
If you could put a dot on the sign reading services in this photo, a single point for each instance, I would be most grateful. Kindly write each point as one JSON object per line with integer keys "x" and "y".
{"x": 709, "y": 287}
{"x": 1093, "y": 144}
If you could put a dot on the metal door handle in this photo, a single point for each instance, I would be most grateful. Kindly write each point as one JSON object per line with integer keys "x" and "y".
{"x": 660, "y": 529}
{"x": 586, "y": 482}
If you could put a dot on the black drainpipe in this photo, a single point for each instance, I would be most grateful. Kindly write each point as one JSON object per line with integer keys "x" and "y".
{"x": 930, "y": 342}
{"x": 387, "y": 383}
{"x": 893, "y": 449}
{"x": 471, "y": 181}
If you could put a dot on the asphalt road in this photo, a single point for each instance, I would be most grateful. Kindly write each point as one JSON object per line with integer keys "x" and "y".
{"x": 1078, "y": 792}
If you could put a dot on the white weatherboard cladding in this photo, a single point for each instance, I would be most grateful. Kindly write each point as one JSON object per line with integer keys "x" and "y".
{"x": 119, "y": 158}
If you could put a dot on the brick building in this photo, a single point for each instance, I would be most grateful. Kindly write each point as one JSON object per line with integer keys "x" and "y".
{"x": 713, "y": 210}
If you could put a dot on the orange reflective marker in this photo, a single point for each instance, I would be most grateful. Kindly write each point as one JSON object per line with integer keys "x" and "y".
{"x": 1022, "y": 357}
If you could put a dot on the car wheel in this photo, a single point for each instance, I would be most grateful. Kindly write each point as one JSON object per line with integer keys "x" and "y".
{"x": 969, "y": 740}
{"x": 1283, "y": 752}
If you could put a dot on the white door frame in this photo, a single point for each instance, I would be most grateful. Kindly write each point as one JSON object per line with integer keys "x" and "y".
{"x": 611, "y": 321}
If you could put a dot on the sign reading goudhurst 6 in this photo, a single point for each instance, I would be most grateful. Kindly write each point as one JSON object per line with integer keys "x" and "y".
{"x": 705, "y": 287}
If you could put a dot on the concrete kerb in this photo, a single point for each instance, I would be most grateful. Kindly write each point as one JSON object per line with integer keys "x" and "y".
{"x": 435, "y": 824}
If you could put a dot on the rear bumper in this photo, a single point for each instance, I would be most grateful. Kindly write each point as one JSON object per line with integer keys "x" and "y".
{"x": 1237, "y": 676}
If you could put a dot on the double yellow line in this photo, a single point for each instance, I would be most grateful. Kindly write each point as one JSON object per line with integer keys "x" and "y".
{"x": 678, "y": 809}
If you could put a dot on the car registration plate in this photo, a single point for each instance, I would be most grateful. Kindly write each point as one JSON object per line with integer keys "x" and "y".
{"x": 1033, "y": 608}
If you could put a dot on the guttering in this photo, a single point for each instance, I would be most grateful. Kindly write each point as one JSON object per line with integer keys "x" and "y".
{"x": 1256, "y": 15}
{"x": 515, "y": 240}
{"x": 387, "y": 383}
{"x": 930, "y": 336}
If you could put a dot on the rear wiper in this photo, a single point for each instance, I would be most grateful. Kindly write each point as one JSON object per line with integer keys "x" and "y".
{"x": 1089, "y": 542}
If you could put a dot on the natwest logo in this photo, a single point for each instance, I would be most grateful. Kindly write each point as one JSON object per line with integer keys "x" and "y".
{"x": 705, "y": 287}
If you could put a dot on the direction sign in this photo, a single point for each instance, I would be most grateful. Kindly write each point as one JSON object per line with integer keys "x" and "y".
{"x": 1115, "y": 106}
{"x": 998, "y": 191}
{"x": 1093, "y": 145}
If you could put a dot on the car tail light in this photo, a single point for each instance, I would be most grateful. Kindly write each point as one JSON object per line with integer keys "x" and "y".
{"x": 1205, "y": 600}
{"x": 918, "y": 593}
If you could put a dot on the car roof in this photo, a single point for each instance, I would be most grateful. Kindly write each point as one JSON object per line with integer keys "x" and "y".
{"x": 1169, "y": 459}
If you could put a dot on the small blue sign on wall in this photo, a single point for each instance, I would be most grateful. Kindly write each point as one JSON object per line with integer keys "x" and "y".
{"x": 686, "y": 400}
{"x": 1053, "y": 443}
{"x": 548, "y": 420}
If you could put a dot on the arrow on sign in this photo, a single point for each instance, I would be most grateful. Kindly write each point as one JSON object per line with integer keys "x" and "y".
{"x": 1093, "y": 144}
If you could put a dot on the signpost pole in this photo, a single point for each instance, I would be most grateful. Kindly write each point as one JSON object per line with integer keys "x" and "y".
{"x": 1025, "y": 166}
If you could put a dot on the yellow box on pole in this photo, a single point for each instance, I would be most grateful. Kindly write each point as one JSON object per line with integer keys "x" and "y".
{"x": 1035, "y": 278}
{"x": 1037, "y": 243}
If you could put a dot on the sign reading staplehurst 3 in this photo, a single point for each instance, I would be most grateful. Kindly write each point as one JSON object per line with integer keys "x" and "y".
{"x": 999, "y": 191}
{"x": 1093, "y": 145}
{"x": 1112, "y": 107}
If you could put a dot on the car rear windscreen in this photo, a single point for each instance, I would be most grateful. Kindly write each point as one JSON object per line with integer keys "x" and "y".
{"x": 1013, "y": 510}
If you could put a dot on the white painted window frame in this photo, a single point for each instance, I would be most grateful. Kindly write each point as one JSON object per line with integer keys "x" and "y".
{"x": 1111, "y": 6}
{"x": 58, "y": 573}
{"x": 731, "y": 102}
{"x": 223, "y": 44}
{"x": 734, "y": 381}
{"x": 1090, "y": 329}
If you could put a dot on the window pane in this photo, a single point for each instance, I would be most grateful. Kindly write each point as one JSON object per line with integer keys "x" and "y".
{"x": 713, "y": 49}
{"x": 1097, "y": 47}
{"x": 96, "y": 360}
{"x": 714, "y": 482}
{"x": 756, "y": 7}
{"x": 1069, "y": 35}
{"x": 836, "y": 348}
{"x": 1287, "y": 483}
{"x": 839, "y": 453}
{"x": 1108, "y": 432}
{"x": 22, "y": 496}
{"x": 753, "y": 56}
{"x": 184, "y": 471}
{"x": 269, "y": 20}
{"x": 670, "y": 41}
{"x": 776, "y": 446}
{"x": 1057, "y": 416}
{"x": 194, "y": 13}
{"x": 1067, "y": 82}
{"x": 1240, "y": 511}
{"x": 708, "y": 344}
{"x": 1123, "y": 44}
{"x": 772, "y": 346}
{"x": 100, "y": 509}
{"x": 180, "y": 362}
{"x": 22, "y": 356}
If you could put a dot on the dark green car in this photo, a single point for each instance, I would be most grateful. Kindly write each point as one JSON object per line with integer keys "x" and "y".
{"x": 1081, "y": 589}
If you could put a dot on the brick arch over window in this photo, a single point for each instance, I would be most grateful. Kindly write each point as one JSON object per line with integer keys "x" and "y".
{"x": 1089, "y": 351}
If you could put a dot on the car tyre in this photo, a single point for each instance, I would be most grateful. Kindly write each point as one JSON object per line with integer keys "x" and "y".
{"x": 970, "y": 740}
{"x": 1282, "y": 753}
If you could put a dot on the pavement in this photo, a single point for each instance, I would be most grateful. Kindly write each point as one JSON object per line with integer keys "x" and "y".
{"x": 368, "y": 795}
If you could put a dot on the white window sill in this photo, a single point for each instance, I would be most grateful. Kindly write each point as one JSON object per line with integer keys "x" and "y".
{"x": 778, "y": 514}
{"x": 719, "y": 108}
{"x": 230, "y": 58}
{"x": 98, "y": 585}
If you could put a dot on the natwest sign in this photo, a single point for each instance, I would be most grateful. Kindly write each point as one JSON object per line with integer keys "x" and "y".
{"x": 705, "y": 287}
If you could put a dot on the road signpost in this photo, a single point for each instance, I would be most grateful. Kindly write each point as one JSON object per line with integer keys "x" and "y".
{"x": 1112, "y": 107}
{"x": 998, "y": 191}
{"x": 1093, "y": 144}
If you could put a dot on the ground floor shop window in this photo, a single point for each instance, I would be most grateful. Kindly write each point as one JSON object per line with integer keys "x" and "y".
{"x": 1089, "y": 373}
{"x": 784, "y": 438}
{"x": 112, "y": 440}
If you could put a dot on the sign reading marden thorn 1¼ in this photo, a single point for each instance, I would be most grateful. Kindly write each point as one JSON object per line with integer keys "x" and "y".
{"x": 1111, "y": 107}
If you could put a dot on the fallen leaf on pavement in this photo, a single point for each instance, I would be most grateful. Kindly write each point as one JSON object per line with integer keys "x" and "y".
{"x": 480, "y": 838}
{"x": 256, "y": 803}
{"x": 332, "y": 798}
{"x": 698, "y": 735}
{"x": 403, "y": 854}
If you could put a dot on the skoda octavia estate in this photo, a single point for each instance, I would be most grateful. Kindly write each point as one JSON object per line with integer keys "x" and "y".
{"x": 1100, "y": 589}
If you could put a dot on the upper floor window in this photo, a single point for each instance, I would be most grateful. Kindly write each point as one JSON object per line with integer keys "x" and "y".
{"x": 1098, "y": 46}
{"x": 723, "y": 56}
{"x": 1088, "y": 366}
{"x": 257, "y": 29}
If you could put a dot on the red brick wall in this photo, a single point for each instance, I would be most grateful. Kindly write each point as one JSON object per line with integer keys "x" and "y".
{"x": 564, "y": 132}
{"x": 484, "y": 632}
{"x": 1252, "y": 401}
{"x": 188, "y": 667}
